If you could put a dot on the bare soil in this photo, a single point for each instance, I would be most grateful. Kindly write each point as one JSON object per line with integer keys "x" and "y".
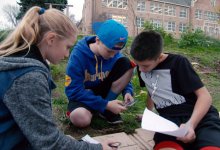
{"x": 64, "y": 125}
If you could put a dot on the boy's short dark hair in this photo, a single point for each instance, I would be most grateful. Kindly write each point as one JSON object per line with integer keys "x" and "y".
{"x": 148, "y": 45}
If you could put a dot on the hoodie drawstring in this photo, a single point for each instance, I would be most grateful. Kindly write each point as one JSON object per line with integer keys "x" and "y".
{"x": 97, "y": 64}
{"x": 101, "y": 71}
{"x": 96, "y": 67}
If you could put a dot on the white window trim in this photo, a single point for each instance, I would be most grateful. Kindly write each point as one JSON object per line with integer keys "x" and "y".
{"x": 172, "y": 28}
{"x": 109, "y": 4}
{"x": 156, "y": 5}
{"x": 198, "y": 14}
{"x": 140, "y": 6}
{"x": 182, "y": 26}
{"x": 170, "y": 10}
{"x": 141, "y": 21}
{"x": 183, "y": 11}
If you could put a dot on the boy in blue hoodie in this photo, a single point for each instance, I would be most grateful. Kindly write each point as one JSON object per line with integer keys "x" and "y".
{"x": 97, "y": 73}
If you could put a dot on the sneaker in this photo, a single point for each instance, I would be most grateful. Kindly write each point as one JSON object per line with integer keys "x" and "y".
{"x": 111, "y": 117}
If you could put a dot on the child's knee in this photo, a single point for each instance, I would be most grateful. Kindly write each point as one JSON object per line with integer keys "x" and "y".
{"x": 168, "y": 145}
{"x": 80, "y": 117}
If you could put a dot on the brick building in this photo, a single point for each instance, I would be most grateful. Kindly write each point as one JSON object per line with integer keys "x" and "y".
{"x": 173, "y": 15}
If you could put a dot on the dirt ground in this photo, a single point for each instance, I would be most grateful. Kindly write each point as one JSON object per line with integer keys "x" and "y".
{"x": 64, "y": 125}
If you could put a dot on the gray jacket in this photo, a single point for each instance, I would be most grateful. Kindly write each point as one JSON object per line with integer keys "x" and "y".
{"x": 29, "y": 101}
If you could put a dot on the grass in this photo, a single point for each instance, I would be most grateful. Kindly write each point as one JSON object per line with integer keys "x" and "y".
{"x": 207, "y": 64}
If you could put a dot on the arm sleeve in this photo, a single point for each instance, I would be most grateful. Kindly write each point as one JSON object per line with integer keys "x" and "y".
{"x": 76, "y": 91}
{"x": 141, "y": 82}
{"x": 186, "y": 76}
{"x": 129, "y": 87}
{"x": 29, "y": 102}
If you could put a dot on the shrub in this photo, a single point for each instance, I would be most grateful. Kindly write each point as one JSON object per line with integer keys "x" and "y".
{"x": 214, "y": 44}
{"x": 191, "y": 38}
{"x": 168, "y": 37}
{"x": 198, "y": 40}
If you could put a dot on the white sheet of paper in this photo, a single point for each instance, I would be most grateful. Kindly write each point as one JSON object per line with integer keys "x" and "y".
{"x": 154, "y": 122}
{"x": 88, "y": 139}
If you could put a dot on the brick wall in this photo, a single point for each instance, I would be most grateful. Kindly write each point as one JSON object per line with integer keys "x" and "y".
{"x": 96, "y": 10}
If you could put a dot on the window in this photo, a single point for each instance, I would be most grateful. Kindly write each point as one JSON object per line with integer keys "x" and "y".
{"x": 141, "y": 6}
{"x": 170, "y": 10}
{"x": 217, "y": 16}
{"x": 211, "y": 16}
{"x": 213, "y": 3}
{"x": 217, "y": 31}
{"x": 183, "y": 12}
{"x": 198, "y": 14}
{"x": 211, "y": 30}
{"x": 140, "y": 22}
{"x": 198, "y": 27}
{"x": 156, "y": 7}
{"x": 121, "y": 19}
{"x": 104, "y": 2}
{"x": 115, "y": 3}
{"x": 156, "y": 23}
{"x": 122, "y": 4}
{"x": 170, "y": 26}
{"x": 182, "y": 27}
{"x": 109, "y": 16}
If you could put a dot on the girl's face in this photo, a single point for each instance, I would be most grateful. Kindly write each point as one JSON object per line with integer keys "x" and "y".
{"x": 59, "y": 48}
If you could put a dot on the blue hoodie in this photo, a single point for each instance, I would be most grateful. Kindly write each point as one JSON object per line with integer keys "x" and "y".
{"x": 86, "y": 70}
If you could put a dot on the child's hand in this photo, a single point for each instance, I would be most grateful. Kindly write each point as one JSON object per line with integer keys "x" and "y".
{"x": 190, "y": 135}
{"x": 116, "y": 106}
{"x": 128, "y": 98}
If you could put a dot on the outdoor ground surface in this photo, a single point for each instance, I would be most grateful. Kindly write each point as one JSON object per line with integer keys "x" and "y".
{"x": 207, "y": 64}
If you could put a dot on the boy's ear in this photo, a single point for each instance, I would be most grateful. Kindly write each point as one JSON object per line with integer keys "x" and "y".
{"x": 161, "y": 56}
{"x": 50, "y": 37}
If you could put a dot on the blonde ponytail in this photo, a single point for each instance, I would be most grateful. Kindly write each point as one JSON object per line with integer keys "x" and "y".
{"x": 32, "y": 28}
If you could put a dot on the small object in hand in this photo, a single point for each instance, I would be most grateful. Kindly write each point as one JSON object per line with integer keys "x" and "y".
{"x": 131, "y": 103}
{"x": 115, "y": 144}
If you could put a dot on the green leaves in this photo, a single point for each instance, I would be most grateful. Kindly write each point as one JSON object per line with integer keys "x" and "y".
{"x": 26, "y": 4}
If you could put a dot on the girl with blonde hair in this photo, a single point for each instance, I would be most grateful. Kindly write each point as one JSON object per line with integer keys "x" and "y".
{"x": 26, "y": 120}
